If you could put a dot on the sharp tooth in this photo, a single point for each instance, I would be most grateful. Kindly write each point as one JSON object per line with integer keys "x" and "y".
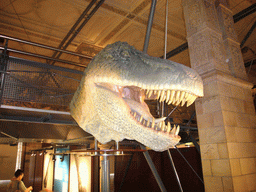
{"x": 147, "y": 91}
{"x": 183, "y": 102}
{"x": 168, "y": 92}
{"x": 177, "y": 102}
{"x": 191, "y": 100}
{"x": 134, "y": 114}
{"x": 182, "y": 94}
{"x": 177, "y": 96}
{"x": 158, "y": 94}
{"x": 169, "y": 102}
{"x": 177, "y": 130}
{"x": 160, "y": 119}
{"x": 150, "y": 93}
{"x": 155, "y": 127}
{"x": 163, "y": 126}
{"x": 184, "y": 99}
{"x": 173, "y": 131}
{"x": 148, "y": 123}
{"x": 171, "y": 97}
{"x": 159, "y": 125}
{"x": 168, "y": 127}
{"x": 141, "y": 118}
{"x": 153, "y": 123}
{"x": 162, "y": 97}
{"x": 155, "y": 92}
{"x": 174, "y": 100}
{"x": 186, "y": 96}
{"x": 189, "y": 97}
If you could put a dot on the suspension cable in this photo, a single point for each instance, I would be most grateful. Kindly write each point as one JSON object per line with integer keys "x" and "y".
{"x": 189, "y": 164}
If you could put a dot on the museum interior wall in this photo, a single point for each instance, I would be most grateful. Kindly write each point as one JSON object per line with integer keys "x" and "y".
{"x": 226, "y": 113}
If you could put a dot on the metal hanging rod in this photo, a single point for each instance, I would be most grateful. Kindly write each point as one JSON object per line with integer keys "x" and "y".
{"x": 149, "y": 27}
{"x": 44, "y": 46}
{"x": 189, "y": 165}
{"x": 175, "y": 171}
{"x": 153, "y": 169}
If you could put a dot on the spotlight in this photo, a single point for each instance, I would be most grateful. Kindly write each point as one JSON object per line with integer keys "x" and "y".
{"x": 33, "y": 154}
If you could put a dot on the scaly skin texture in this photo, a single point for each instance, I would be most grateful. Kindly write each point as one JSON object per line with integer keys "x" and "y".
{"x": 109, "y": 102}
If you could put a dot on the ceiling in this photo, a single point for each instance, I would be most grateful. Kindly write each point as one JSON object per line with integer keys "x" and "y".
{"x": 48, "y": 22}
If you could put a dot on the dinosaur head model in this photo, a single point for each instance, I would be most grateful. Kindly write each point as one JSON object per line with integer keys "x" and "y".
{"x": 109, "y": 102}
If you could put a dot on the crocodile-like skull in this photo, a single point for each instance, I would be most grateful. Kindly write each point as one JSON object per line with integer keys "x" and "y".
{"x": 109, "y": 102}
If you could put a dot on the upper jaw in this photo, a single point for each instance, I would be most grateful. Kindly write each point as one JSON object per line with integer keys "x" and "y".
{"x": 134, "y": 98}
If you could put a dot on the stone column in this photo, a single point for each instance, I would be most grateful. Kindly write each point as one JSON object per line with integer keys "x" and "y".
{"x": 226, "y": 114}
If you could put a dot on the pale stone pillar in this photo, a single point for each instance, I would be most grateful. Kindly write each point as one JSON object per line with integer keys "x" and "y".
{"x": 226, "y": 114}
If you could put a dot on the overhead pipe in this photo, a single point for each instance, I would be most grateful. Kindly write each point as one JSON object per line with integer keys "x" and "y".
{"x": 44, "y": 46}
{"x": 81, "y": 27}
{"x": 75, "y": 25}
{"x": 248, "y": 34}
{"x": 244, "y": 13}
{"x": 177, "y": 50}
{"x": 249, "y": 63}
{"x": 85, "y": 21}
{"x": 42, "y": 57}
{"x": 42, "y": 65}
{"x": 237, "y": 17}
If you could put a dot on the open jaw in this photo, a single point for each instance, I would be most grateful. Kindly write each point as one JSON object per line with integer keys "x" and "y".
{"x": 135, "y": 97}
{"x": 109, "y": 103}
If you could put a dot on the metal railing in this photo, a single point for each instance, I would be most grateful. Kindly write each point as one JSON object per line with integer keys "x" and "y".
{"x": 30, "y": 81}
{"x": 44, "y": 47}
